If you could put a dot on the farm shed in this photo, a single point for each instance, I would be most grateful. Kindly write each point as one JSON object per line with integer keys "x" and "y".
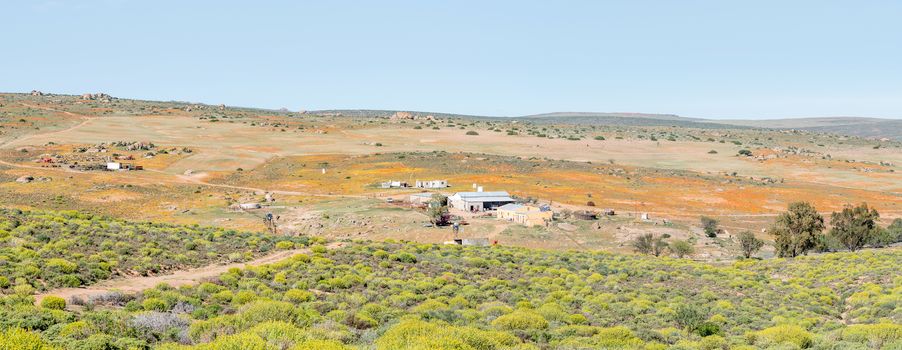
{"x": 122, "y": 166}
{"x": 479, "y": 201}
{"x": 525, "y": 214}
{"x": 431, "y": 184}
{"x": 420, "y": 198}
{"x": 394, "y": 184}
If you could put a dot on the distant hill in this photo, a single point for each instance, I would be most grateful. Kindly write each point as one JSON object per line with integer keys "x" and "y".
{"x": 625, "y": 119}
{"x": 853, "y": 126}
{"x": 608, "y": 115}
{"x": 875, "y": 128}
{"x": 385, "y": 113}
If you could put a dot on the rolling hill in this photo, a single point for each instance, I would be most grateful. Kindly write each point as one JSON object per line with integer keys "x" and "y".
{"x": 875, "y": 128}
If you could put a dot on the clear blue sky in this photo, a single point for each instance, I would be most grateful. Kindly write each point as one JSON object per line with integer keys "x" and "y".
{"x": 715, "y": 59}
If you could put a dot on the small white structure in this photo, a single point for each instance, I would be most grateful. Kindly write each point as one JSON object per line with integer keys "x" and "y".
{"x": 431, "y": 184}
{"x": 479, "y": 201}
{"x": 249, "y": 206}
{"x": 113, "y": 166}
{"x": 478, "y": 242}
{"x": 393, "y": 184}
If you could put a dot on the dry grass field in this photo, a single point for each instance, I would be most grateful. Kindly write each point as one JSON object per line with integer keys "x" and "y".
{"x": 675, "y": 174}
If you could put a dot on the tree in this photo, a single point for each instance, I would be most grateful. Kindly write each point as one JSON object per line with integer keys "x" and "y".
{"x": 710, "y": 226}
{"x": 681, "y": 248}
{"x": 854, "y": 226}
{"x": 749, "y": 243}
{"x": 439, "y": 199}
{"x": 797, "y": 230}
{"x": 650, "y": 244}
{"x": 438, "y": 210}
{"x": 890, "y": 235}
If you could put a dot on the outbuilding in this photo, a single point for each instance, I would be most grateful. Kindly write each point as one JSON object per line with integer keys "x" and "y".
{"x": 431, "y": 184}
{"x": 479, "y": 201}
{"x": 525, "y": 214}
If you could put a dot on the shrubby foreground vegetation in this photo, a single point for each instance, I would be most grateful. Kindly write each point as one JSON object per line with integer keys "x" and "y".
{"x": 390, "y": 295}
{"x": 47, "y": 249}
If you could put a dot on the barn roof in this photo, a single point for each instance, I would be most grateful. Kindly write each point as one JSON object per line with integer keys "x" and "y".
{"x": 499, "y": 196}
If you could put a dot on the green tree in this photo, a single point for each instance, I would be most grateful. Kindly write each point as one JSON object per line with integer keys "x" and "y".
{"x": 650, "y": 244}
{"x": 797, "y": 230}
{"x": 681, "y": 248}
{"x": 439, "y": 200}
{"x": 883, "y": 237}
{"x": 710, "y": 226}
{"x": 438, "y": 209}
{"x": 854, "y": 226}
{"x": 749, "y": 244}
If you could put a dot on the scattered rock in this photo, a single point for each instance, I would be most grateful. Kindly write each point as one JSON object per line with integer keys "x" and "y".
{"x": 96, "y": 97}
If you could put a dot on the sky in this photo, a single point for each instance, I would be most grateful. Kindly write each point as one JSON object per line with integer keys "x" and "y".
{"x": 708, "y": 59}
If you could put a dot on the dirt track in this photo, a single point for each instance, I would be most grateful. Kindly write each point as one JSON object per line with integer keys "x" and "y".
{"x": 176, "y": 279}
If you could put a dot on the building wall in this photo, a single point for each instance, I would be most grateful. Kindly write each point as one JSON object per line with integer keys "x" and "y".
{"x": 461, "y": 204}
{"x": 536, "y": 218}
{"x": 527, "y": 218}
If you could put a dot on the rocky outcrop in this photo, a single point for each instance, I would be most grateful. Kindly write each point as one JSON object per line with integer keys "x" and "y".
{"x": 96, "y": 97}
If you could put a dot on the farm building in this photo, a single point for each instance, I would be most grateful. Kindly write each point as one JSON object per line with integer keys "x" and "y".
{"x": 431, "y": 184}
{"x": 420, "y": 198}
{"x": 479, "y": 201}
{"x": 121, "y": 166}
{"x": 394, "y": 184}
{"x": 525, "y": 214}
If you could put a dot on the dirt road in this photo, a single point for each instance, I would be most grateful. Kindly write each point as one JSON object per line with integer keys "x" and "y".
{"x": 193, "y": 276}
{"x": 85, "y": 120}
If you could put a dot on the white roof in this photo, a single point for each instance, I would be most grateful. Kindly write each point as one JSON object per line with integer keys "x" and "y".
{"x": 499, "y": 196}
{"x": 483, "y": 194}
{"x": 510, "y": 206}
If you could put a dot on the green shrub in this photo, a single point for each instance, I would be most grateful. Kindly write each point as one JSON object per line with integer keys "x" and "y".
{"x": 280, "y": 334}
{"x": 284, "y": 245}
{"x": 875, "y": 335}
{"x": 154, "y": 304}
{"x": 782, "y": 334}
{"x": 298, "y": 296}
{"x": 53, "y": 302}
{"x": 19, "y": 339}
{"x": 520, "y": 320}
